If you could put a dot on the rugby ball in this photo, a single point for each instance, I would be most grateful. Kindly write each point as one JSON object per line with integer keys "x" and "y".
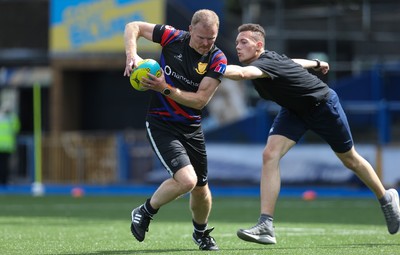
{"x": 143, "y": 68}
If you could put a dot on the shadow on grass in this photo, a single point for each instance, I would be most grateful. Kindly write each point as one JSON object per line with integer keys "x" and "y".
{"x": 359, "y": 245}
{"x": 262, "y": 248}
{"x": 143, "y": 251}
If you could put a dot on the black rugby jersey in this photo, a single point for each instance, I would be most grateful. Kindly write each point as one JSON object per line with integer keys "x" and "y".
{"x": 184, "y": 68}
{"x": 290, "y": 85}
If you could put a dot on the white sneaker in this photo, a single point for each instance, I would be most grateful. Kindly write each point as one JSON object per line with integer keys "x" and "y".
{"x": 392, "y": 212}
{"x": 262, "y": 232}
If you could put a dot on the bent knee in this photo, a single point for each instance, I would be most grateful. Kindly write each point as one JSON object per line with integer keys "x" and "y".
{"x": 186, "y": 179}
{"x": 188, "y": 184}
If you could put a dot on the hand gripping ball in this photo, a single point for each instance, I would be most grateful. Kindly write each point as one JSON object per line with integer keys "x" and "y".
{"x": 143, "y": 68}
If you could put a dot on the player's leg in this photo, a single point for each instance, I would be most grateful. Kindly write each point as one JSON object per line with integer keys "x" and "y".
{"x": 333, "y": 127}
{"x": 200, "y": 205}
{"x": 174, "y": 158}
{"x": 270, "y": 183}
{"x": 286, "y": 130}
{"x": 200, "y": 196}
{"x": 389, "y": 199}
{"x": 363, "y": 169}
{"x": 183, "y": 182}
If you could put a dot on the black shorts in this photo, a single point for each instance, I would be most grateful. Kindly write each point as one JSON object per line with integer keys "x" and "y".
{"x": 176, "y": 150}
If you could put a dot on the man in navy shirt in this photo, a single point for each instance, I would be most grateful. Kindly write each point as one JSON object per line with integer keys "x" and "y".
{"x": 306, "y": 103}
{"x": 192, "y": 70}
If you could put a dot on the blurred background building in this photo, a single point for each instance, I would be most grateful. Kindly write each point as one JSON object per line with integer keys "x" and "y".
{"x": 93, "y": 121}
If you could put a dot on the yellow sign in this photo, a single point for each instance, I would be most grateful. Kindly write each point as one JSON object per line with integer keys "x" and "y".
{"x": 98, "y": 25}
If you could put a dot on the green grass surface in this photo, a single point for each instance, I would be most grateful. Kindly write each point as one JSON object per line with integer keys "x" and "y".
{"x": 100, "y": 225}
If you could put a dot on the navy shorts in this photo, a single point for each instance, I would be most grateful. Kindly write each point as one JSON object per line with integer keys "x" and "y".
{"x": 327, "y": 119}
{"x": 176, "y": 150}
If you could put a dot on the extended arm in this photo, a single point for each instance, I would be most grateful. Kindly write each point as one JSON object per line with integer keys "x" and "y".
{"x": 315, "y": 64}
{"x": 133, "y": 31}
{"x": 235, "y": 72}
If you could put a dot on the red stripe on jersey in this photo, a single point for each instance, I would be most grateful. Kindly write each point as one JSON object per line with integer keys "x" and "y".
{"x": 219, "y": 58}
{"x": 161, "y": 113}
{"x": 179, "y": 110}
{"x": 168, "y": 36}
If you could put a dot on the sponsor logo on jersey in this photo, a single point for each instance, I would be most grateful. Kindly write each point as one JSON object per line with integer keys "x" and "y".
{"x": 201, "y": 68}
{"x": 169, "y": 72}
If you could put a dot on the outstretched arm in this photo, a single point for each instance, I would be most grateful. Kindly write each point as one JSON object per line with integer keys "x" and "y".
{"x": 133, "y": 31}
{"x": 235, "y": 72}
{"x": 315, "y": 64}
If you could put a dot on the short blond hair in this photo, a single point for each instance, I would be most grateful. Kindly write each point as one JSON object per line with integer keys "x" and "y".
{"x": 207, "y": 17}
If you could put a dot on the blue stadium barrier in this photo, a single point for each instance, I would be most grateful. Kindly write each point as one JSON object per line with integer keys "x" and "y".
{"x": 147, "y": 190}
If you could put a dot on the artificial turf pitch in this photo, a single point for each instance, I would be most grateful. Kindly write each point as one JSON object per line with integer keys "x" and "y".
{"x": 100, "y": 225}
